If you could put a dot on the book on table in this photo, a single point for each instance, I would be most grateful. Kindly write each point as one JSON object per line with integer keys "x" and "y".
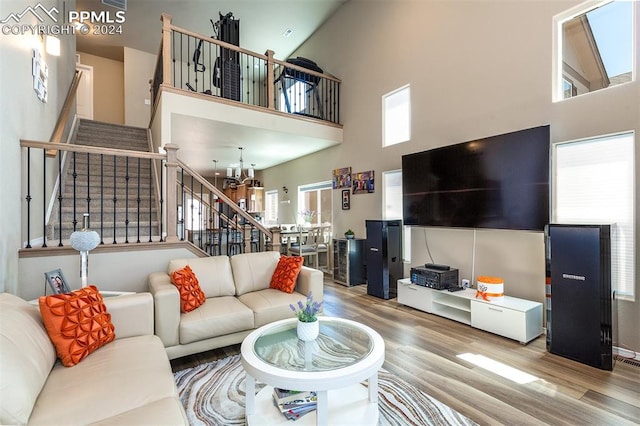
{"x": 299, "y": 403}
{"x": 294, "y": 404}
{"x": 282, "y": 396}
{"x": 295, "y": 414}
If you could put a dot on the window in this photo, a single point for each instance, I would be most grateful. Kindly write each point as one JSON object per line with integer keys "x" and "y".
{"x": 594, "y": 48}
{"x": 194, "y": 214}
{"x": 315, "y": 199}
{"x": 569, "y": 89}
{"x": 392, "y": 206}
{"x": 295, "y": 99}
{"x": 392, "y": 194}
{"x": 271, "y": 207}
{"x": 396, "y": 116}
{"x": 594, "y": 183}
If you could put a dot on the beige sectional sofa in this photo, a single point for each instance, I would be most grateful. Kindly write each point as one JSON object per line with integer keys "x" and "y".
{"x": 238, "y": 300}
{"x": 127, "y": 381}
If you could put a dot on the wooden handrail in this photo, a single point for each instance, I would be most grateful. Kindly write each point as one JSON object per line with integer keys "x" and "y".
{"x": 253, "y": 54}
{"x": 58, "y": 130}
{"x": 26, "y": 143}
{"x": 218, "y": 42}
{"x": 306, "y": 70}
{"x": 166, "y": 48}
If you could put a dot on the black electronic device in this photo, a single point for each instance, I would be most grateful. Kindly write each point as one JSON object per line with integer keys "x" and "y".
{"x": 383, "y": 257}
{"x": 434, "y": 278}
{"x": 455, "y": 288}
{"x": 437, "y": 266}
{"x": 582, "y": 319}
{"x": 499, "y": 182}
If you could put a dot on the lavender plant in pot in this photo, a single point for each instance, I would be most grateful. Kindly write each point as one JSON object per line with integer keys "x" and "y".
{"x": 308, "y": 325}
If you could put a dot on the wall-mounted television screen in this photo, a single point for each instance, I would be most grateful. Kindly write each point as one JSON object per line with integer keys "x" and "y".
{"x": 499, "y": 182}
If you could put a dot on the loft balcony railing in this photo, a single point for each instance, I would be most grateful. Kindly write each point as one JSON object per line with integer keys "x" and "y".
{"x": 132, "y": 197}
{"x": 199, "y": 64}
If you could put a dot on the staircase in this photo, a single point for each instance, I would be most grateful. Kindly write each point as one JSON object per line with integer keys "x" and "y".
{"x": 116, "y": 191}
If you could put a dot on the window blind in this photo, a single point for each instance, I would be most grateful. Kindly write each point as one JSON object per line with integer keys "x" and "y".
{"x": 392, "y": 206}
{"x": 594, "y": 184}
{"x": 396, "y": 116}
{"x": 271, "y": 207}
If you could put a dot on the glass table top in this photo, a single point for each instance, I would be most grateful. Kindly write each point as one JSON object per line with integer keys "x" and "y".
{"x": 340, "y": 344}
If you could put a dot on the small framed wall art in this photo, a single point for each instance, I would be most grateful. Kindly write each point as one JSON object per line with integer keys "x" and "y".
{"x": 341, "y": 178}
{"x": 363, "y": 182}
{"x": 346, "y": 199}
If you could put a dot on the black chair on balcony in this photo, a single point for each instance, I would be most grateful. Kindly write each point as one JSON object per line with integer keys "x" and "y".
{"x": 288, "y": 79}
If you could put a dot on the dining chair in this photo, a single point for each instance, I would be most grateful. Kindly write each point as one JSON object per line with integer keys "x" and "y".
{"x": 308, "y": 246}
{"x": 323, "y": 243}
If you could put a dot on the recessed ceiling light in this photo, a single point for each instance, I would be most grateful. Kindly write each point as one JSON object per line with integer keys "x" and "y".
{"x": 287, "y": 32}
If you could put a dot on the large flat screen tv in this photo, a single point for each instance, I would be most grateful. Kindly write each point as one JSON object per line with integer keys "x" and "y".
{"x": 499, "y": 182}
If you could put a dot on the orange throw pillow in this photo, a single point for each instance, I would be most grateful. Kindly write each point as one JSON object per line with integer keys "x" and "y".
{"x": 191, "y": 295}
{"x": 77, "y": 323}
{"x": 286, "y": 273}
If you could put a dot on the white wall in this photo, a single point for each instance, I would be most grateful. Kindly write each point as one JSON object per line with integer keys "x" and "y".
{"x": 138, "y": 70}
{"x": 476, "y": 69}
{"x": 23, "y": 116}
{"x": 108, "y": 88}
{"x": 120, "y": 271}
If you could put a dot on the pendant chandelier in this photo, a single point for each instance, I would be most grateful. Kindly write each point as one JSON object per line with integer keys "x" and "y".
{"x": 215, "y": 173}
{"x": 240, "y": 174}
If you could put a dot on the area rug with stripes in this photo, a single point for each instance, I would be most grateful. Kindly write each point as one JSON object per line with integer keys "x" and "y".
{"x": 214, "y": 394}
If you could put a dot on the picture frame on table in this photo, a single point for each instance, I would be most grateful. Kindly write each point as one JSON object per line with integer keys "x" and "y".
{"x": 346, "y": 199}
{"x": 57, "y": 282}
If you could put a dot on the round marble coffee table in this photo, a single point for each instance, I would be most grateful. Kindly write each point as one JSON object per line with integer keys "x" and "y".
{"x": 334, "y": 365}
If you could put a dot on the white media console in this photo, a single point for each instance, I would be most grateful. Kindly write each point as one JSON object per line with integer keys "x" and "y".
{"x": 511, "y": 317}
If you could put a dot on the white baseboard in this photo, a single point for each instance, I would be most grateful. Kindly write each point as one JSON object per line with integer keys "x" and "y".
{"x": 626, "y": 353}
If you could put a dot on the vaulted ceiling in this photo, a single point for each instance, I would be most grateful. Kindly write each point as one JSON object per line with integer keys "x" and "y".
{"x": 263, "y": 24}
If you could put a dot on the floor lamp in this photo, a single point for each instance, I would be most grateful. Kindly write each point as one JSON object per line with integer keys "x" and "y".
{"x": 84, "y": 241}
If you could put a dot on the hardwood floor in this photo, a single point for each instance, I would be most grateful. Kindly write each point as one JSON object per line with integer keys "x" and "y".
{"x": 423, "y": 349}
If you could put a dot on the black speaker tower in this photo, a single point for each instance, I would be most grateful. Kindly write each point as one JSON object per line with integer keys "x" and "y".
{"x": 581, "y": 311}
{"x": 384, "y": 257}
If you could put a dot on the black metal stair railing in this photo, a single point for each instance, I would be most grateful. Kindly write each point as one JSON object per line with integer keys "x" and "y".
{"x": 116, "y": 188}
{"x": 213, "y": 222}
{"x": 203, "y": 66}
{"x": 123, "y": 207}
